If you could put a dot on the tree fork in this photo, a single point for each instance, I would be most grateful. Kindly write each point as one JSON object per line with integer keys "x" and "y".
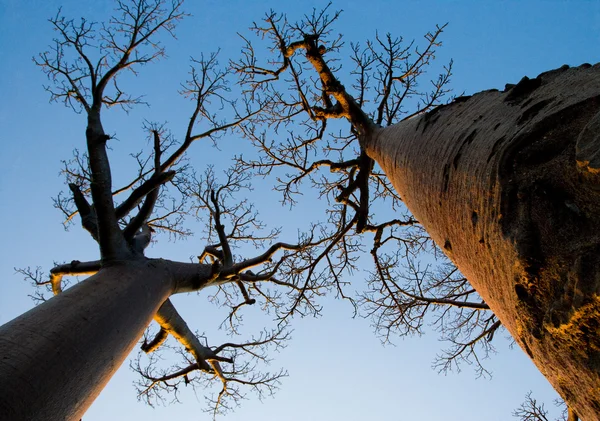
{"x": 507, "y": 184}
{"x": 57, "y": 357}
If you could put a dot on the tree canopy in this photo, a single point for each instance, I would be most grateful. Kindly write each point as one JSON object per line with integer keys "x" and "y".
{"x": 347, "y": 215}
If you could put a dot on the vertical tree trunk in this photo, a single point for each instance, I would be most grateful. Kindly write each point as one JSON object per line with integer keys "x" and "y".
{"x": 56, "y": 358}
{"x": 507, "y": 185}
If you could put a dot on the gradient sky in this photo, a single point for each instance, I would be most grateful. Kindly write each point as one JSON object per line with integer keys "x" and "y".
{"x": 338, "y": 370}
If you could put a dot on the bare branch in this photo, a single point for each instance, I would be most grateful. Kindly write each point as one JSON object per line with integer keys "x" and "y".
{"x": 148, "y": 206}
{"x": 86, "y": 212}
{"x": 530, "y": 410}
{"x": 156, "y": 342}
{"x": 138, "y": 194}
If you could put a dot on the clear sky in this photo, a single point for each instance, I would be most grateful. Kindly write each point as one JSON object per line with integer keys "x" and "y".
{"x": 338, "y": 370}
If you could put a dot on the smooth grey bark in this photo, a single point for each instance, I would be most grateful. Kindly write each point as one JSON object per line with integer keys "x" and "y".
{"x": 56, "y": 358}
{"x": 507, "y": 184}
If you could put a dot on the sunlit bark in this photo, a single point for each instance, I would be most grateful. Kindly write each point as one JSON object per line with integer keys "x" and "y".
{"x": 506, "y": 183}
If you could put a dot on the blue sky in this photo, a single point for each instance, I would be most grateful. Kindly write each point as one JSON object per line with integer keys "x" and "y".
{"x": 338, "y": 368}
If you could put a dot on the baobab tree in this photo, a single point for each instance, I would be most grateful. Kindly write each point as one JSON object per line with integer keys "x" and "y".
{"x": 95, "y": 324}
{"x": 504, "y": 182}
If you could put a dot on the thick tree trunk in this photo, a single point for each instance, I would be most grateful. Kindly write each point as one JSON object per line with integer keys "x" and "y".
{"x": 507, "y": 185}
{"x": 56, "y": 358}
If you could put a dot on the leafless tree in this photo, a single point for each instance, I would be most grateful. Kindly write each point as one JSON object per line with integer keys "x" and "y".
{"x": 466, "y": 170}
{"x": 84, "y": 65}
{"x": 402, "y": 293}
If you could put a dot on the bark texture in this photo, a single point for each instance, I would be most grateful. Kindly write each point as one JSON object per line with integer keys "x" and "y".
{"x": 507, "y": 184}
{"x": 57, "y": 357}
